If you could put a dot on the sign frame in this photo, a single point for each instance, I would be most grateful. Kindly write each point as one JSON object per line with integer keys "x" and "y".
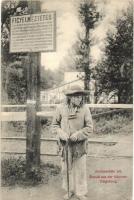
{"x": 54, "y": 34}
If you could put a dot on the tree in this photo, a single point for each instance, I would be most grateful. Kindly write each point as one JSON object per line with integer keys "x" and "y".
{"x": 88, "y": 17}
{"x": 116, "y": 71}
{"x": 12, "y": 70}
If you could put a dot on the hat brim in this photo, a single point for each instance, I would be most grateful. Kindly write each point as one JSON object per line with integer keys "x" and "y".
{"x": 82, "y": 92}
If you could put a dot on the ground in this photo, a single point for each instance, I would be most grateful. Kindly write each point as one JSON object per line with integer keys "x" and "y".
{"x": 117, "y": 157}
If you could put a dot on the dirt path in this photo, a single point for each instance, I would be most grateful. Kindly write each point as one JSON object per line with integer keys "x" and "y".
{"x": 97, "y": 191}
{"x": 118, "y": 188}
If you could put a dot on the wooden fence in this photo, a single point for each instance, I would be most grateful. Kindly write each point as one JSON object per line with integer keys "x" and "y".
{"x": 49, "y": 147}
{"x": 21, "y": 116}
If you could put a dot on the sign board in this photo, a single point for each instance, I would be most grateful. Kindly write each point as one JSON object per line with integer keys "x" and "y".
{"x": 33, "y": 33}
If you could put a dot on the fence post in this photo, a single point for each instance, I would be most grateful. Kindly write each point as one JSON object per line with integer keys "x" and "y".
{"x": 33, "y": 105}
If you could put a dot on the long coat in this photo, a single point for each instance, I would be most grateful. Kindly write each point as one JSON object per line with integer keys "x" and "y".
{"x": 79, "y": 123}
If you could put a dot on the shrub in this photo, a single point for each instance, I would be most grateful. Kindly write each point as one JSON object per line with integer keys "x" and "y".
{"x": 13, "y": 172}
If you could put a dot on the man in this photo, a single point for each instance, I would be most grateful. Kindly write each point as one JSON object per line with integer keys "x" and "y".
{"x": 73, "y": 125}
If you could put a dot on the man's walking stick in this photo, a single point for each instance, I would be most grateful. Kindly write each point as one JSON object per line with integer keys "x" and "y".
{"x": 67, "y": 164}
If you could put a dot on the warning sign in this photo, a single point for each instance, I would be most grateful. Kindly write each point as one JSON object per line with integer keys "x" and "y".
{"x": 33, "y": 33}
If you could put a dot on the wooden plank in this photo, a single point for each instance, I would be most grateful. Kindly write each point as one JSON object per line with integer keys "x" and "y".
{"x": 96, "y": 105}
{"x": 97, "y": 140}
{"x": 110, "y": 105}
{"x": 51, "y": 113}
{"x": 45, "y": 114}
{"x": 24, "y": 138}
{"x": 13, "y": 116}
{"x": 48, "y": 147}
{"x": 21, "y": 116}
{"x": 90, "y": 105}
{"x": 23, "y": 153}
{"x": 98, "y": 147}
{"x": 13, "y": 106}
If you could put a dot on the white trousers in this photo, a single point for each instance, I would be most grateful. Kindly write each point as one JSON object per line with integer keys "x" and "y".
{"x": 77, "y": 176}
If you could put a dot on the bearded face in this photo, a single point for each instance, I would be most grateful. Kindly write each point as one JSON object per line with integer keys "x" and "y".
{"x": 76, "y": 100}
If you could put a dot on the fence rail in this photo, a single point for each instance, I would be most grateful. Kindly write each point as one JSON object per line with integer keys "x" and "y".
{"x": 90, "y": 105}
{"x": 21, "y": 116}
{"x": 98, "y": 140}
{"x": 49, "y": 147}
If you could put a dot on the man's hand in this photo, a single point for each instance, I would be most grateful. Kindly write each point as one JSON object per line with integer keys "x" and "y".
{"x": 64, "y": 136}
{"x": 74, "y": 137}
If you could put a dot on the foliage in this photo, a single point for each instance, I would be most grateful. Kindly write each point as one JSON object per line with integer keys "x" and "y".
{"x": 88, "y": 17}
{"x": 13, "y": 171}
{"x": 116, "y": 71}
{"x": 114, "y": 123}
{"x": 13, "y": 73}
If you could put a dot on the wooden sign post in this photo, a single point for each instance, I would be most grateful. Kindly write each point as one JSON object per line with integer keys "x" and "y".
{"x": 33, "y": 122}
{"x": 33, "y": 33}
{"x": 33, "y": 105}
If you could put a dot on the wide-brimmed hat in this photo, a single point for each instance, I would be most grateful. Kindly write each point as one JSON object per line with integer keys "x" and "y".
{"x": 75, "y": 90}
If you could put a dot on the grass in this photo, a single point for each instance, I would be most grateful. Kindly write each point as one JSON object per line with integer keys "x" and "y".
{"x": 114, "y": 124}
{"x": 13, "y": 172}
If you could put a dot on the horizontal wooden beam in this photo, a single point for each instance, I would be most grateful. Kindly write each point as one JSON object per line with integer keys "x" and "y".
{"x": 91, "y": 140}
{"x": 55, "y": 155}
{"x": 13, "y": 116}
{"x": 90, "y": 105}
{"x": 24, "y": 138}
{"x": 21, "y": 116}
{"x": 97, "y": 105}
{"x": 110, "y": 105}
{"x": 13, "y": 106}
{"x": 49, "y": 147}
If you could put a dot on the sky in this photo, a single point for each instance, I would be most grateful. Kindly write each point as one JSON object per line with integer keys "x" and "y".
{"x": 68, "y": 25}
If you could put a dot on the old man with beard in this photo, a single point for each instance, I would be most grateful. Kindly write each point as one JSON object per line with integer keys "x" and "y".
{"x": 73, "y": 125}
